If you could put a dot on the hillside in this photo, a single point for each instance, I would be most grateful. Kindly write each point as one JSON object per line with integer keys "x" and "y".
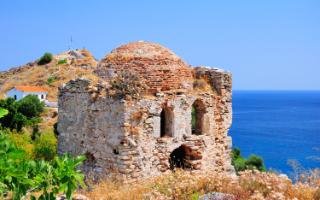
{"x": 64, "y": 67}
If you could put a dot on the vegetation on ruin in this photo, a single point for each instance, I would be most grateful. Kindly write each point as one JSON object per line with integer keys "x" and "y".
{"x": 127, "y": 84}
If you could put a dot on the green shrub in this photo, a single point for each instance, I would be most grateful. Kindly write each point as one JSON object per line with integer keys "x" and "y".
{"x": 255, "y": 162}
{"x": 62, "y": 61}
{"x": 240, "y": 163}
{"x": 3, "y": 112}
{"x": 23, "y": 142}
{"x": 51, "y": 79}
{"x": 9, "y": 104}
{"x": 45, "y": 59}
{"x": 46, "y": 146}
{"x": 235, "y": 153}
{"x": 20, "y": 175}
{"x": 19, "y": 121}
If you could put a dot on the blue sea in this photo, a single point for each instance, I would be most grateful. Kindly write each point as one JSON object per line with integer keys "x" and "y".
{"x": 278, "y": 125}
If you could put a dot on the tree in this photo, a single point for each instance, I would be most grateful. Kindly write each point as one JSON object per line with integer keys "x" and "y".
{"x": 30, "y": 106}
{"x": 21, "y": 113}
{"x": 8, "y": 120}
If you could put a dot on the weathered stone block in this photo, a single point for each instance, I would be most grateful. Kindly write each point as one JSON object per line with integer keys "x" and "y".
{"x": 169, "y": 123}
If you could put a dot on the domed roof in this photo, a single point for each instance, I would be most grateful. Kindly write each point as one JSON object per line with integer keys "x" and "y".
{"x": 160, "y": 68}
{"x": 141, "y": 50}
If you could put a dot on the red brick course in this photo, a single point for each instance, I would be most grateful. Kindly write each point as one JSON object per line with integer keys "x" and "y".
{"x": 160, "y": 68}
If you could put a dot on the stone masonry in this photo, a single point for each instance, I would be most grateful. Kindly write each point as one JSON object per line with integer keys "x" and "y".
{"x": 168, "y": 115}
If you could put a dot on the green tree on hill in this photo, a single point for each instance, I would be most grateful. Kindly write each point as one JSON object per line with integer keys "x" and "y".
{"x": 30, "y": 106}
{"x": 21, "y": 113}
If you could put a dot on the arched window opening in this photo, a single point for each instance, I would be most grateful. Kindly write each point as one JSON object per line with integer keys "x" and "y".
{"x": 166, "y": 123}
{"x": 197, "y": 113}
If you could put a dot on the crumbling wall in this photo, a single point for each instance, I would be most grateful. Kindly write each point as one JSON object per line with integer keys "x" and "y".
{"x": 123, "y": 137}
{"x": 221, "y": 82}
{"x": 154, "y": 150}
{"x": 89, "y": 126}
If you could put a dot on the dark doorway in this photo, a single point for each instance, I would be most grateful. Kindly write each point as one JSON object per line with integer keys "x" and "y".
{"x": 177, "y": 158}
{"x": 166, "y": 123}
{"x": 197, "y": 113}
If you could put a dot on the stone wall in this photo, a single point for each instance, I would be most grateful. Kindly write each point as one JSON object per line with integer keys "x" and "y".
{"x": 89, "y": 127}
{"x": 221, "y": 81}
{"x": 142, "y": 137}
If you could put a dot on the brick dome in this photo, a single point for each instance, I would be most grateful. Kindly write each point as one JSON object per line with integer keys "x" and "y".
{"x": 160, "y": 68}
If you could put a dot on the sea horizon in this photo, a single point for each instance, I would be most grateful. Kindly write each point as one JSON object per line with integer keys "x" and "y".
{"x": 278, "y": 125}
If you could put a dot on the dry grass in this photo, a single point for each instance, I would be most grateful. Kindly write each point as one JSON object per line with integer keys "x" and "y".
{"x": 185, "y": 185}
{"x": 38, "y": 75}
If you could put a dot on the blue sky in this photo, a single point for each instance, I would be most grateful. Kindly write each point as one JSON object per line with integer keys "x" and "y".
{"x": 265, "y": 44}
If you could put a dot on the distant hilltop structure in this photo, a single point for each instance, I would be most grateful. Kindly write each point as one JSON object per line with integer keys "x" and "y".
{"x": 18, "y": 92}
{"x": 149, "y": 112}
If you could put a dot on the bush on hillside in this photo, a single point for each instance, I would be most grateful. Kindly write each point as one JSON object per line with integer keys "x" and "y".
{"x": 51, "y": 79}
{"x": 255, "y": 162}
{"x": 41, "y": 146}
{"x": 45, "y": 59}
{"x": 62, "y": 61}
{"x": 46, "y": 146}
{"x": 240, "y": 163}
{"x": 23, "y": 142}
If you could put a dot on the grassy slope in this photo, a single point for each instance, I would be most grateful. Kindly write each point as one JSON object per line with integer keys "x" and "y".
{"x": 34, "y": 74}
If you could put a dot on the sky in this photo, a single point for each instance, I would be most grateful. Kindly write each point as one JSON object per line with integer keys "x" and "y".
{"x": 267, "y": 45}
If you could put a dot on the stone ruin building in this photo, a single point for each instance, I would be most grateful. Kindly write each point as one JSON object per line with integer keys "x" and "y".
{"x": 148, "y": 113}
